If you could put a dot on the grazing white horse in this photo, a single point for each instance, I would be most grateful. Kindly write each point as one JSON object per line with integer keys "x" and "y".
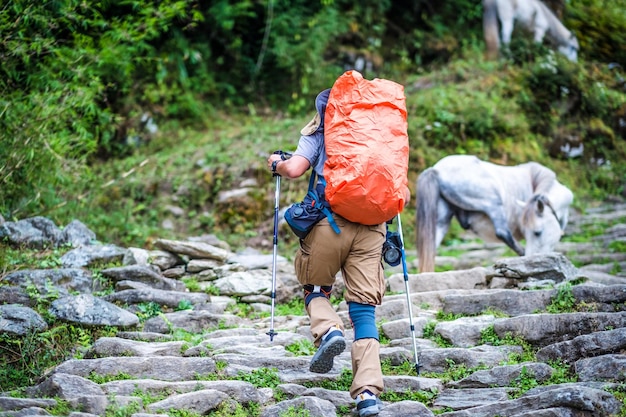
{"x": 497, "y": 202}
{"x": 535, "y": 16}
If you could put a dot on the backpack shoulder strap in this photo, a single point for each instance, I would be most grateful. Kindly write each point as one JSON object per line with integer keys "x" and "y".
{"x": 322, "y": 204}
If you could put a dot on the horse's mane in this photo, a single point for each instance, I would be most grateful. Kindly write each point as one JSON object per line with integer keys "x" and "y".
{"x": 541, "y": 178}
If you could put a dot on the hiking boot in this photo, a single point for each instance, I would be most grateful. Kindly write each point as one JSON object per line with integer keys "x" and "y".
{"x": 367, "y": 404}
{"x": 333, "y": 343}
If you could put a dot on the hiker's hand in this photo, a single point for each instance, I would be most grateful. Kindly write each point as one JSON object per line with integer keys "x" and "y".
{"x": 270, "y": 162}
{"x": 273, "y": 157}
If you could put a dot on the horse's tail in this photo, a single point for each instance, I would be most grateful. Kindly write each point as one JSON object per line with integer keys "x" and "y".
{"x": 427, "y": 196}
{"x": 490, "y": 28}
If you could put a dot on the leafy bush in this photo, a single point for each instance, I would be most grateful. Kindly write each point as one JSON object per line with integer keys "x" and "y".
{"x": 600, "y": 26}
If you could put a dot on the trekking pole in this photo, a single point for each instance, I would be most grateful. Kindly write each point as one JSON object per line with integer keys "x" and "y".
{"x": 408, "y": 298}
{"x": 272, "y": 333}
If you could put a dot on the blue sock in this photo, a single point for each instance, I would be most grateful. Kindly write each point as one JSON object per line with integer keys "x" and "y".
{"x": 363, "y": 320}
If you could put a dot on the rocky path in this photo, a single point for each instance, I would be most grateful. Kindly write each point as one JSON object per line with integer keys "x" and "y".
{"x": 496, "y": 336}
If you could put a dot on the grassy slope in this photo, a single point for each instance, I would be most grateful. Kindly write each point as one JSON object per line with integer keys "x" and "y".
{"x": 126, "y": 201}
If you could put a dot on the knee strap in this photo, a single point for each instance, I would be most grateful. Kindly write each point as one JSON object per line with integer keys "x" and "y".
{"x": 313, "y": 291}
{"x": 363, "y": 321}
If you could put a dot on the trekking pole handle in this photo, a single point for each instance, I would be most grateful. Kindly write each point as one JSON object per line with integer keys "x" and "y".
{"x": 283, "y": 157}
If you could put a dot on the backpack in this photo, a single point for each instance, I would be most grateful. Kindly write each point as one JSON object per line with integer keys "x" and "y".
{"x": 367, "y": 145}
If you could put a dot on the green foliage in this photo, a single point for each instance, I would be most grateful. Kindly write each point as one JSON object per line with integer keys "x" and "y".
{"x": 296, "y": 412}
{"x": 454, "y": 372}
{"x": 191, "y": 283}
{"x": 62, "y": 407}
{"x": 12, "y": 259}
{"x": 602, "y": 38}
{"x": 103, "y": 379}
{"x": 243, "y": 310}
{"x": 617, "y": 246}
{"x": 115, "y": 410}
{"x": 489, "y": 336}
{"x": 77, "y": 79}
{"x": 24, "y": 359}
{"x": 184, "y": 305}
{"x": 442, "y": 316}
{"x": 234, "y": 409}
{"x": 341, "y": 383}
{"x": 524, "y": 382}
{"x": 563, "y": 373}
{"x": 182, "y": 413}
{"x": 295, "y": 307}
{"x": 429, "y": 333}
{"x": 303, "y": 347}
{"x": 422, "y": 396}
{"x": 261, "y": 378}
{"x": 406, "y": 368}
{"x": 563, "y": 301}
{"x": 147, "y": 310}
{"x": 620, "y": 395}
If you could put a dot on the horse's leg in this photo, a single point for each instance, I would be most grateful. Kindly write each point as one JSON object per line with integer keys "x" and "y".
{"x": 502, "y": 230}
{"x": 506, "y": 14}
{"x": 490, "y": 28}
{"x": 432, "y": 220}
{"x": 540, "y": 29}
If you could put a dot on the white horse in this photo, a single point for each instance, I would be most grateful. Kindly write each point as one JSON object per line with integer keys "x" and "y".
{"x": 535, "y": 16}
{"x": 498, "y": 203}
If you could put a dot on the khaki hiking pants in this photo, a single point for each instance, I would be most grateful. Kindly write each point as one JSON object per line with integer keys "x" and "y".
{"x": 357, "y": 253}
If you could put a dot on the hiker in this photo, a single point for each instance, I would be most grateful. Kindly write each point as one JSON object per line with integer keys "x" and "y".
{"x": 356, "y": 251}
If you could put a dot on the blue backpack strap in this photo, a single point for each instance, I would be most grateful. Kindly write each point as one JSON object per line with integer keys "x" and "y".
{"x": 323, "y": 206}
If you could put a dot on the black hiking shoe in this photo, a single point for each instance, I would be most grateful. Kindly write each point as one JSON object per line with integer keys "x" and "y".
{"x": 331, "y": 346}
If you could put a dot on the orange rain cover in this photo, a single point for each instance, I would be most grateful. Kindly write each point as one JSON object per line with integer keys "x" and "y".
{"x": 365, "y": 130}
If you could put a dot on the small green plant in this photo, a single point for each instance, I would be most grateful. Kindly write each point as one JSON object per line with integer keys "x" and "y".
{"x": 245, "y": 310}
{"x": 524, "y": 382}
{"x": 234, "y": 409}
{"x": 620, "y": 395}
{"x": 496, "y": 313}
{"x": 260, "y": 378}
{"x": 212, "y": 289}
{"x": 429, "y": 333}
{"x": 616, "y": 269}
{"x": 147, "y": 310}
{"x": 220, "y": 365}
{"x": 564, "y": 300}
{"x": 182, "y": 413}
{"x": 114, "y": 410}
{"x": 148, "y": 397}
{"x": 453, "y": 372}
{"x": 42, "y": 296}
{"x": 563, "y": 373}
{"x": 25, "y": 358}
{"x": 489, "y": 336}
{"x": 61, "y": 408}
{"x": 294, "y": 307}
{"x": 103, "y": 379}
{"x": 441, "y": 316}
{"x": 617, "y": 246}
{"x": 296, "y": 412}
{"x": 192, "y": 284}
{"x": 405, "y": 368}
{"x": 184, "y": 305}
{"x": 303, "y": 347}
{"x": 187, "y": 336}
{"x": 424, "y": 397}
{"x": 342, "y": 383}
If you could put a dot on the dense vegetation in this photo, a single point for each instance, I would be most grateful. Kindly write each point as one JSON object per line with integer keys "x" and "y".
{"x": 82, "y": 84}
